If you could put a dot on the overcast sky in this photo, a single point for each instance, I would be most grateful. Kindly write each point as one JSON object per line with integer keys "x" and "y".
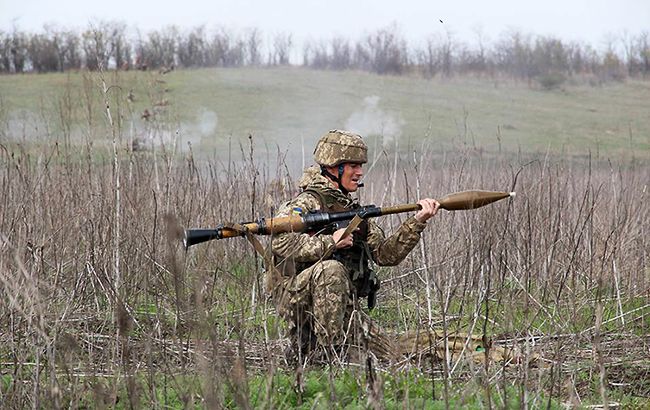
{"x": 589, "y": 21}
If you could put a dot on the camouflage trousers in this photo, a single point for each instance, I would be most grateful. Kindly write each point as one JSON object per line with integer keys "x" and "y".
{"x": 317, "y": 304}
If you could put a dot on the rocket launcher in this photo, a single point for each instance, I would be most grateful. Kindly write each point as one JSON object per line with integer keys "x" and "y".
{"x": 315, "y": 221}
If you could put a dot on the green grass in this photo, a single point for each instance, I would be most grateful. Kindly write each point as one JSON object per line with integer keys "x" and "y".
{"x": 283, "y": 105}
{"x": 321, "y": 389}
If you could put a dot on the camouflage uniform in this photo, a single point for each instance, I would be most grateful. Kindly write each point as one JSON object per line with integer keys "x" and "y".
{"x": 316, "y": 296}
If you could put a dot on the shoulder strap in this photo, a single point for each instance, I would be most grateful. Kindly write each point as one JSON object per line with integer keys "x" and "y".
{"x": 330, "y": 205}
{"x": 318, "y": 195}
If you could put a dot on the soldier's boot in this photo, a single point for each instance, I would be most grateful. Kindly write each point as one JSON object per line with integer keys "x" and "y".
{"x": 302, "y": 342}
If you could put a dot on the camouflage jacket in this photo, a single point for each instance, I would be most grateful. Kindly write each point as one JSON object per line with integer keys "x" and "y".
{"x": 295, "y": 251}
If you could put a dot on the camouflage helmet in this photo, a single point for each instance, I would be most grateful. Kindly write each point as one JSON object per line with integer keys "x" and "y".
{"x": 337, "y": 147}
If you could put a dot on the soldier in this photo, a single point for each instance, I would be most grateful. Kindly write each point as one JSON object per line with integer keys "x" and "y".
{"x": 322, "y": 275}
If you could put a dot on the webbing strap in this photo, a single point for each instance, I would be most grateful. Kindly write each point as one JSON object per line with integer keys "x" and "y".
{"x": 354, "y": 224}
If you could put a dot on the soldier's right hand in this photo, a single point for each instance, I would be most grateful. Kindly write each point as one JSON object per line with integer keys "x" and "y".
{"x": 340, "y": 241}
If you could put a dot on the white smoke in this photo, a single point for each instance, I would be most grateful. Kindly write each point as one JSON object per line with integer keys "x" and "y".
{"x": 24, "y": 125}
{"x": 187, "y": 134}
{"x": 373, "y": 121}
{"x": 204, "y": 127}
{"x": 207, "y": 122}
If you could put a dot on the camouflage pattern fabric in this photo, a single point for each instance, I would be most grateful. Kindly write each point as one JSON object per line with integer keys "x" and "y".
{"x": 319, "y": 293}
{"x": 337, "y": 147}
{"x": 318, "y": 296}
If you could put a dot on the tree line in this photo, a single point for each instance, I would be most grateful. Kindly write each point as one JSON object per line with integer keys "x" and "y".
{"x": 109, "y": 45}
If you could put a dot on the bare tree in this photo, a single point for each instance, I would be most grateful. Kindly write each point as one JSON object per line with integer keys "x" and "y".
{"x": 254, "y": 47}
{"x": 192, "y": 48}
{"x": 306, "y": 53}
{"x": 575, "y": 58}
{"x": 70, "y": 50}
{"x": 383, "y": 52}
{"x": 480, "y": 63}
{"x": 643, "y": 46}
{"x": 18, "y": 51}
{"x": 446, "y": 54}
{"x": 5, "y": 52}
{"x": 437, "y": 55}
{"x": 549, "y": 55}
{"x": 95, "y": 45}
{"x": 427, "y": 58}
{"x": 514, "y": 55}
{"x": 315, "y": 55}
{"x": 159, "y": 51}
{"x": 226, "y": 49}
{"x": 141, "y": 52}
{"x": 341, "y": 53}
{"x": 282, "y": 44}
{"x": 119, "y": 46}
{"x": 612, "y": 67}
{"x": 42, "y": 52}
{"x": 336, "y": 54}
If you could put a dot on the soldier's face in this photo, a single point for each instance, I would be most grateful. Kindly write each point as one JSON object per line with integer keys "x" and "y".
{"x": 352, "y": 174}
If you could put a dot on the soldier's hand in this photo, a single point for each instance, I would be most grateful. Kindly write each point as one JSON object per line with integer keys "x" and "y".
{"x": 342, "y": 242}
{"x": 429, "y": 209}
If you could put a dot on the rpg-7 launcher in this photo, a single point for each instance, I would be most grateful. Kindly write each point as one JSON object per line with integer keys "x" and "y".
{"x": 315, "y": 221}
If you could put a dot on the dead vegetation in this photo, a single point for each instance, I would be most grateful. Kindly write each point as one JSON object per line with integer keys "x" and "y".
{"x": 100, "y": 303}
{"x": 560, "y": 274}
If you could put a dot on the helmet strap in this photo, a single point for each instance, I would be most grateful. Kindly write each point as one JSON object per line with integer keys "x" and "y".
{"x": 337, "y": 179}
{"x": 340, "y": 179}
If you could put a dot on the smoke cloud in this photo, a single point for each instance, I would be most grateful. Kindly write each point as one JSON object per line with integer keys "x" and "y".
{"x": 373, "y": 121}
{"x": 205, "y": 127}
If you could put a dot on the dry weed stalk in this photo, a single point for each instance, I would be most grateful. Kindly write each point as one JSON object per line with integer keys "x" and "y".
{"x": 83, "y": 237}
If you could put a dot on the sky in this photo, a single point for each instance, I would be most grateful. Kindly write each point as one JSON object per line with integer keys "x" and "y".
{"x": 588, "y": 21}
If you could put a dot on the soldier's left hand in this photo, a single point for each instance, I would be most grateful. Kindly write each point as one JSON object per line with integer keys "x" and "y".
{"x": 341, "y": 241}
{"x": 429, "y": 209}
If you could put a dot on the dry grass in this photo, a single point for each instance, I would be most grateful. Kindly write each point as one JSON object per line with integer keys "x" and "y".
{"x": 561, "y": 273}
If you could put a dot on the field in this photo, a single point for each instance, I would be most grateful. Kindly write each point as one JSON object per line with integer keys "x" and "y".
{"x": 102, "y": 307}
{"x": 291, "y": 107}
